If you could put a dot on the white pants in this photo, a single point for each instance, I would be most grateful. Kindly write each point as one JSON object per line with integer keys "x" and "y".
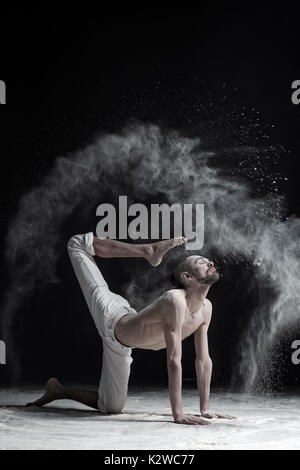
{"x": 106, "y": 308}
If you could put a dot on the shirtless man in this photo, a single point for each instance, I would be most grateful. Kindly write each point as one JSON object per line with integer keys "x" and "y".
{"x": 174, "y": 316}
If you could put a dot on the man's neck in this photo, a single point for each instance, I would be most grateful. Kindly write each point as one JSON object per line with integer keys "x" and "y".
{"x": 197, "y": 295}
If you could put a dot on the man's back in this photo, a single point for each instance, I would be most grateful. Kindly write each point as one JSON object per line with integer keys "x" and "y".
{"x": 146, "y": 330}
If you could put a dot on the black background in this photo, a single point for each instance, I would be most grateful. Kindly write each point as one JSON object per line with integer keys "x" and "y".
{"x": 69, "y": 76}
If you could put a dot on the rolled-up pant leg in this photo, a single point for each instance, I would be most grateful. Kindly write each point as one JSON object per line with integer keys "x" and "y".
{"x": 115, "y": 374}
{"x": 92, "y": 283}
{"x": 106, "y": 308}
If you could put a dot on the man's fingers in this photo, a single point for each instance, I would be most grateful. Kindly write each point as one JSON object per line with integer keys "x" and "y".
{"x": 198, "y": 421}
{"x": 226, "y": 416}
{"x": 202, "y": 421}
{"x": 217, "y": 415}
{"x": 209, "y": 416}
{"x": 195, "y": 419}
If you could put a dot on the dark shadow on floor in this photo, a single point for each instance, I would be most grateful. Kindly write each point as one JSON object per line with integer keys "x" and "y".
{"x": 52, "y": 412}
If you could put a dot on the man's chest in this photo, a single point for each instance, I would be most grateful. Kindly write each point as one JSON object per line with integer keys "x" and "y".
{"x": 192, "y": 323}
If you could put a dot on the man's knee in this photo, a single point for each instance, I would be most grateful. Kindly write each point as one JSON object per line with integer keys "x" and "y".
{"x": 114, "y": 409}
{"x": 114, "y": 406}
{"x": 111, "y": 409}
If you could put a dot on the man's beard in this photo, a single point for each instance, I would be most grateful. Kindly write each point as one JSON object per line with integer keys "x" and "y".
{"x": 210, "y": 278}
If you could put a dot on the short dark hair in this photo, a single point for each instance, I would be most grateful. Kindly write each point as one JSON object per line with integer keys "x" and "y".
{"x": 184, "y": 264}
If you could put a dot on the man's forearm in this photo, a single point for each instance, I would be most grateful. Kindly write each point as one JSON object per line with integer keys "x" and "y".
{"x": 203, "y": 373}
{"x": 175, "y": 385}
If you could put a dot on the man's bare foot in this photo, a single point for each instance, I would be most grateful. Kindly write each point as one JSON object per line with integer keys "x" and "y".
{"x": 156, "y": 251}
{"x": 54, "y": 391}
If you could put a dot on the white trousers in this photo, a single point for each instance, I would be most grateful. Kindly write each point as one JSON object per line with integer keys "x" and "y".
{"x": 106, "y": 308}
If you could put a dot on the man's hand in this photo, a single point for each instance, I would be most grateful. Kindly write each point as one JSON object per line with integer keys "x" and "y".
{"x": 209, "y": 415}
{"x": 190, "y": 419}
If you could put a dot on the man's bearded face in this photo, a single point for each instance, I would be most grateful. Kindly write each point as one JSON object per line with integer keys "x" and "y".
{"x": 205, "y": 271}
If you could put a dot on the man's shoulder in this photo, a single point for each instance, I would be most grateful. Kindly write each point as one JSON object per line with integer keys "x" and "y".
{"x": 173, "y": 307}
{"x": 173, "y": 301}
{"x": 174, "y": 296}
{"x": 208, "y": 310}
{"x": 208, "y": 304}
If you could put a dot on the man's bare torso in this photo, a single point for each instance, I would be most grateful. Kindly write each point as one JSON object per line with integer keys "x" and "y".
{"x": 146, "y": 329}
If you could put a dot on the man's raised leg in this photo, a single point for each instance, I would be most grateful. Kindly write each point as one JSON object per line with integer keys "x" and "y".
{"x": 152, "y": 252}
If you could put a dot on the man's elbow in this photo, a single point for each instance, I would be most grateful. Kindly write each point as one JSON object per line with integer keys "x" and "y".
{"x": 174, "y": 363}
{"x": 204, "y": 363}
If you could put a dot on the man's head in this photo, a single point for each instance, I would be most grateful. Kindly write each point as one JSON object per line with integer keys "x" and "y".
{"x": 194, "y": 270}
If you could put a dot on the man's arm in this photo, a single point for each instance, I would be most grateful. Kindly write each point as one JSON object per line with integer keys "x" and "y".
{"x": 174, "y": 310}
{"x": 173, "y": 320}
{"x": 203, "y": 366}
{"x": 203, "y": 362}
